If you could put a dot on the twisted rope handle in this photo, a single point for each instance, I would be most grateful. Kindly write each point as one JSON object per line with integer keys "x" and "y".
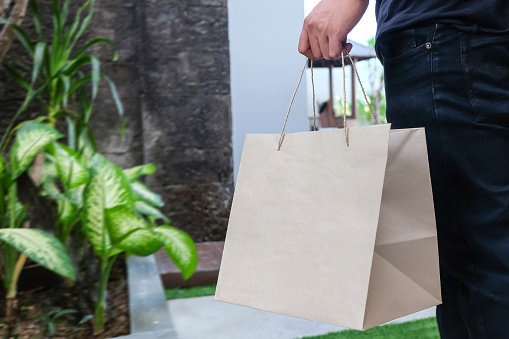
{"x": 281, "y": 137}
{"x": 360, "y": 83}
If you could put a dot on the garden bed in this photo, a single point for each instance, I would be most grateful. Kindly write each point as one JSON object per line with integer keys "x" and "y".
{"x": 40, "y": 302}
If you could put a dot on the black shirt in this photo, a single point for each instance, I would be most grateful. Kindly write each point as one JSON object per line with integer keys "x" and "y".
{"x": 469, "y": 15}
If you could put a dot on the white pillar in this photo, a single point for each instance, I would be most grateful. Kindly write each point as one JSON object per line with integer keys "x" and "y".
{"x": 265, "y": 68}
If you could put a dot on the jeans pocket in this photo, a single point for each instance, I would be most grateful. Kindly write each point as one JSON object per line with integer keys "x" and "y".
{"x": 400, "y": 45}
{"x": 485, "y": 62}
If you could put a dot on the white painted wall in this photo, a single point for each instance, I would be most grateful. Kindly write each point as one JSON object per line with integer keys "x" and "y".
{"x": 265, "y": 68}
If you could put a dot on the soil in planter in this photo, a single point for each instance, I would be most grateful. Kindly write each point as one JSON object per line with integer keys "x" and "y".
{"x": 41, "y": 301}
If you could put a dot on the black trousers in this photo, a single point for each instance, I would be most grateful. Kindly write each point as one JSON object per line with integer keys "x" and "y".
{"x": 456, "y": 85}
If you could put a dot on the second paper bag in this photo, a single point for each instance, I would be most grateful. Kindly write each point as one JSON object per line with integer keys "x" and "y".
{"x": 339, "y": 234}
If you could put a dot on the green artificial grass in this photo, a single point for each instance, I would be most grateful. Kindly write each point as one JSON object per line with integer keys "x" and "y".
{"x": 423, "y": 328}
{"x": 190, "y": 292}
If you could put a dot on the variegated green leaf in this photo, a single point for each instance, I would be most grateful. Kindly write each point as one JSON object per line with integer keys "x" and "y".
{"x": 143, "y": 193}
{"x": 31, "y": 138}
{"x": 66, "y": 211}
{"x": 86, "y": 146}
{"x": 41, "y": 247}
{"x": 116, "y": 186}
{"x": 76, "y": 195}
{"x": 134, "y": 173}
{"x": 93, "y": 215}
{"x": 49, "y": 169}
{"x": 50, "y": 189}
{"x": 70, "y": 169}
{"x": 146, "y": 209}
{"x": 180, "y": 248}
{"x": 122, "y": 221}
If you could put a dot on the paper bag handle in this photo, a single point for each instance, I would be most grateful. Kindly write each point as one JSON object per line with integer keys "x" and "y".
{"x": 281, "y": 137}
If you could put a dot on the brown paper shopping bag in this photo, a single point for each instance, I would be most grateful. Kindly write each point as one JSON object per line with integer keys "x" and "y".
{"x": 335, "y": 226}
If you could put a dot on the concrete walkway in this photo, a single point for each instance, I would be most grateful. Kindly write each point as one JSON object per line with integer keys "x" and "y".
{"x": 206, "y": 318}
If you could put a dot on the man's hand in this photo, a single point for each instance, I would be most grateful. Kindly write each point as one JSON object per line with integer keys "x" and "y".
{"x": 327, "y": 26}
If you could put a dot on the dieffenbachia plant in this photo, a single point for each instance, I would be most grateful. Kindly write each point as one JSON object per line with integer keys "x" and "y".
{"x": 19, "y": 243}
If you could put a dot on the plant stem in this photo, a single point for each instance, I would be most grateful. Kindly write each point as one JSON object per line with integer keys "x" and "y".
{"x": 2, "y": 204}
{"x": 15, "y": 276}
{"x": 12, "y": 195}
{"x": 106, "y": 265}
{"x": 10, "y": 253}
{"x": 13, "y": 290}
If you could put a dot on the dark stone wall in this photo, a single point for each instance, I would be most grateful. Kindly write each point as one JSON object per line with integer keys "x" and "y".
{"x": 173, "y": 77}
{"x": 186, "y": 112}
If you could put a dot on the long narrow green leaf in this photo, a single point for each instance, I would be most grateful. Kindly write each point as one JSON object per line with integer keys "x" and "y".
{"x": 180, "y": 248}
{"x": 134, "y": 173}
{"x": 120, "y": 221}
{"x": 64, "y": 312}
{"x": 41, "y": 247}
{"x": 22, "y": 65}
{"x": 18, "y": 77}
{"x": 57, "y": 19}
{"x": 116, "y": 98}
{"x": 48, "y": 66}
{"x": 66, "y": 81}
{"x": 86, "y": 106}
{"x": 95, "y": 42}
{"x": 76, "y": 85}
{"x": 36, "y": 17}
{"x": 40, "y": 48}
{"x": 96, "y": 76}
{"x": 64, "y": 11}
{"x": 24, "y": 39}
{"x": 75, "y": 25}
{"x": 31, "y": 138}
{"x": 85, "y": 23}
{"x": 2, "y": 169}
{"x": 76, "y": 64}
{"x": 28, "y": 101}
{"x": 67, "y": 85}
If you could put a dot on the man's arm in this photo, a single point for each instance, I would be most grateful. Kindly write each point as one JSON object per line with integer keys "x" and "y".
{"x": 327, "y": 26}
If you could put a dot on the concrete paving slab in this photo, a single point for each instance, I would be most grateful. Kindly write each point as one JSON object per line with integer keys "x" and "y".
{"x": 164, "y": 334}
{"x": 147, "y": 302}
{"x": 206, "y": 318}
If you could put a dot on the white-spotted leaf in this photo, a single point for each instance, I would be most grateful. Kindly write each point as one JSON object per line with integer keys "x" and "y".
{"x": 134, "y": 173}
{"x": 131, "y": 232}
{"x": 116, "y": 186}
{"x": 146, "y": 209}
{"x": 41, "y": 247}
{"x": 180, "y": 248}
{"x": 31, "y": 138}
{"x": 93, "y": 215}
{"x": 70, "y": 170}
{"x": 143, "y": 193}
